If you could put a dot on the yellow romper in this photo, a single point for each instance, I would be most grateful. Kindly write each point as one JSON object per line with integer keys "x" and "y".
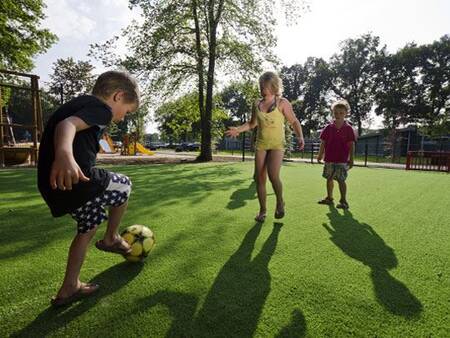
{"x": 271, "y": 132}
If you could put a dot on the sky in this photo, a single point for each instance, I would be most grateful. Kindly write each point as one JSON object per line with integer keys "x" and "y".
{"x": 79, "y": 23}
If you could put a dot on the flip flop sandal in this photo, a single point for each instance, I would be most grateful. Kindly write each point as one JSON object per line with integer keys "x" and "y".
{"x": 326, "y": 201}
{"x": 280, "y": 213}
{"x": 261, "y": 217}
{"x": 342, "y": 205}
{"x": 116, "y": 247}
{"x": 77, "y": 295}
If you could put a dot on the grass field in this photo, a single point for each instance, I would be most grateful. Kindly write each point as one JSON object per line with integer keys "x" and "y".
{"x": 380, "y": 270}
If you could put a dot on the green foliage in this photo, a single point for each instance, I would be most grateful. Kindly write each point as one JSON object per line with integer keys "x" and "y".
{"x": 20, "y": 36}
{"x": 72, "y": 77}
{"x": 238, "y": 99}
{"x": 180, "y": 119}
{"x": 307, "y": 86}
{"x": 435, "y": 94}
{"x": 413, "y": 85}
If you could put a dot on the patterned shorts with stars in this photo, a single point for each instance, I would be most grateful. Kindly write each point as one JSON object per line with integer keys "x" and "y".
{"x": 90, "y": 215}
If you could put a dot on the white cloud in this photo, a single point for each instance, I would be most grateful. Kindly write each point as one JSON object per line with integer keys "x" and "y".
{"x": 66, "y": 21}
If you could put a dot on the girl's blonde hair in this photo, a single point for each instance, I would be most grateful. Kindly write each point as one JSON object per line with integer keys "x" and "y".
{"x": 273, "y": 81}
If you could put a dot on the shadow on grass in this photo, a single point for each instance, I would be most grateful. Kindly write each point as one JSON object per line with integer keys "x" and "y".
{"x": 234, "y": 303}
{"x": 296, "y": 328}
{"x": 239, "y": 197}
{"x": 360, "y": 241}
{"x": 52, "y": 319}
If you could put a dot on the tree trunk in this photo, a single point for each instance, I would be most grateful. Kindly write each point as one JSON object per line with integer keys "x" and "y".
{"x": 206, "y": 150}
{"x": 201, "y": 81}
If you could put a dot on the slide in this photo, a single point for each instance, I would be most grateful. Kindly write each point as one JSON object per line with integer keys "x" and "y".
{"x": 139, "y": 149}
{"x": 105, "y": 147}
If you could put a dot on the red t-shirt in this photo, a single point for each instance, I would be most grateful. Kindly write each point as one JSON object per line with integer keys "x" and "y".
{"x": 337, "y": 142}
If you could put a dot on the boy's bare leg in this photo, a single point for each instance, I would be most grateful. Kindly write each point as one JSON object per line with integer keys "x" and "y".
{"x": 114, "y": 217}
{"x": 77, "y": 253}
{"x": 261, "y": 178}
{"x": 343, "y": 190}
{"x": 274, "y": 160}
{"x": 330, "y": 186}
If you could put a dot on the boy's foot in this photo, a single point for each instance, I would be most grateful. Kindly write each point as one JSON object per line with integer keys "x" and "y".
{"x": 119, "y": 246}
{"x": 261, "y": 217}
{"x": 85, "y": 290}
{"x": 279, "y": 212}
{"x": 327, "y": 201}
{"x": 342, "y": 205}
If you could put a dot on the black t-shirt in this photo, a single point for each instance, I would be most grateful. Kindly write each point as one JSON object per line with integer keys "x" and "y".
{"x": 97, "y": 115}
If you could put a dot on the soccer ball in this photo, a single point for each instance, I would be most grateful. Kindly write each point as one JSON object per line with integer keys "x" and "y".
{"x": 141, "y": 240}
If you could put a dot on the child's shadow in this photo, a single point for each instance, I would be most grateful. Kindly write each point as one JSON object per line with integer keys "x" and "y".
{"x": 360, "y": 241}
{"x": 234, "y": 303}
{"x": 239, "y": 197}
{"x": 53, "y": 319}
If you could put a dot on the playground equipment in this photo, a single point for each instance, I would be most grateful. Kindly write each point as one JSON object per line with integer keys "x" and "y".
{"x": 10, "y": 151}
{"x": 140, "y": 149}
{"x": 107, "y": 145}
{"x": 132, "y": 147}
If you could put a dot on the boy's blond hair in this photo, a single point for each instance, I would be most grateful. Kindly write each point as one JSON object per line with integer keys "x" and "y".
{"x": 342, "y": 104}
{"x": 273, "y": 80}
{"x": 112, "y": 81}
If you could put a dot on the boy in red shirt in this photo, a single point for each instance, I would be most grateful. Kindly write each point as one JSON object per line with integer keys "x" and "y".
{"x": 338, "y": 143}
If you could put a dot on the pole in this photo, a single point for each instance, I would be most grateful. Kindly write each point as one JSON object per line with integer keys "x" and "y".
{"x": 366, "y": 150}
{"x": 243, "y": 146}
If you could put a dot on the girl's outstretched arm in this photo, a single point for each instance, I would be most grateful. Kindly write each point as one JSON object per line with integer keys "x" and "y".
{"x": 235, "y": 131}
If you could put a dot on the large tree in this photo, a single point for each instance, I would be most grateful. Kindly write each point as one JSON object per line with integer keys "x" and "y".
{"x": 70, "y": 78}
{"x": 398, "y": 91}
{"x": 21, "y": 38}
{"x": 435, "y": 82}
{"x": 354, "y": 68}
{"x": 185, "y": 43}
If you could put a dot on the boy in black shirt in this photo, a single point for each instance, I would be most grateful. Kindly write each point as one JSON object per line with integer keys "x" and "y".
{"x": 69, "y": 181}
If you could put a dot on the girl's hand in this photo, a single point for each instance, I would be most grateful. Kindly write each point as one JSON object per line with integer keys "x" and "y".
{"x": 232, "y": 132}
{"x": 301, "y": 143}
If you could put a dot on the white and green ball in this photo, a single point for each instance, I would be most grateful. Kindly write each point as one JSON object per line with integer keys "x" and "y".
{"x": 141, "y": 240}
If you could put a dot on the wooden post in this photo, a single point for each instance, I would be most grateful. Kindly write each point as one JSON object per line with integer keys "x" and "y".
{"x": 34, "y": 110}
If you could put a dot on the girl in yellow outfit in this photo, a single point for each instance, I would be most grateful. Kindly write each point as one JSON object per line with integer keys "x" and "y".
{"x": 269, "y": 115}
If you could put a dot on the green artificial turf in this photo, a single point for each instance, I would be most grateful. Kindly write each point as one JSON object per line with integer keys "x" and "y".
{"x": 379, "y": 270}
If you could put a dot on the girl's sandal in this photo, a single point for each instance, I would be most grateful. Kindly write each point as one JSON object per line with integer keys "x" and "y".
{"x": 342, "y": 205}
{"x": 279, "y": 213}
{"x": 261, "y": 217}
{"x": 326, "y": 201}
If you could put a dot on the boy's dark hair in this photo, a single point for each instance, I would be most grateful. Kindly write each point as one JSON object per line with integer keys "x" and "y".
{"x": 112, "y": 81}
